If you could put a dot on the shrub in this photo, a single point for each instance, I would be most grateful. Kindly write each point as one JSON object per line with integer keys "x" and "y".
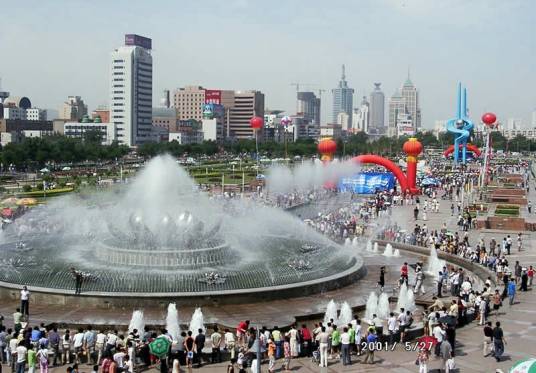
{"x": 27, "y": 188}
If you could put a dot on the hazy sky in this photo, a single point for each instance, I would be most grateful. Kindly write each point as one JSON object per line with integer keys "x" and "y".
{"x": 52, "y": 49}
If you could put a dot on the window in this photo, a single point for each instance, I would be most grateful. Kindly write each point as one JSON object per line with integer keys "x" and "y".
{"x": 119, "y": 60}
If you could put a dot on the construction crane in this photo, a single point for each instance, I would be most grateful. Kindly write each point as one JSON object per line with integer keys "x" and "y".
{"x": 298, "y": 84}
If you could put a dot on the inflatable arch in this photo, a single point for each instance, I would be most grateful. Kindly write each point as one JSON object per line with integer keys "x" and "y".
{"x": 375, "y": 159}
{"x": 470, "y": 147}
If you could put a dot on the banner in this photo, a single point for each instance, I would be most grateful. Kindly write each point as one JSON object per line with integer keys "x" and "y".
{"x": 367, "y": 183}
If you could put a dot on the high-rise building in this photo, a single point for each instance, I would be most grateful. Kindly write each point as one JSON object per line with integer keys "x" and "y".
{"x": 247, "y": 104}
{"x": 397, "y": 104}
{"x": 361, "y": 117}
{"x": 309, "y": 107}
{"x": 102, "y": 112}
{"x": 189, "y": 102}
{"x": 534, "y": 118}
{"x": 73, "y": 109}
{"x": 131, "y": 90}
{"x": 514, "y": 124}
{"x": 342, "y": 98}
{"x": 377, "y": 110}
{"x": 411, "y": 97}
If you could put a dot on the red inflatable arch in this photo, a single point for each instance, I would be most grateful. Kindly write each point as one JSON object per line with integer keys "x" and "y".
{"x": 470, "y": 147}
{"x": 376, "y": 159}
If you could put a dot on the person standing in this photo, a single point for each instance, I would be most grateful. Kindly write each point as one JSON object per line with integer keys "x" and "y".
{"x": 345, "y": 347}
{"x": 216, "y": 339}
{"x": 381, "y": 283}
{"x": 422, "y": 358}
{"x": 402, "y": 323}
{"x": 419, "y": 281}
{"x": 21, "y": 352}
{"x": 530, "y": 275}
{"x": 276, "y": 337}
{"x": 511, "y": 291}
{"x": 32, "y": 359}
{"x": 488, "y": 339}
{"x": 271, "y": 355}
{"x": 524, "y": 280}
{"x": 371, "y": 342}
{"x": 199, "y": 346}
{"x": 440, "y": 335}
{"x": 292, "y": 334}
{"x": 498, "y": 341}
{"x": 78, "y": 278}
{"x": 25, "y": 302}
{"x": 391, "y": 328}
{"x": 42, "y": 357}
{"x": 287, "y": 353}
{"x": 446, "y": 354}
{"x": 439, "y": 284}
{"x": 322, "y": 339}
{"x": 230, "y": 343}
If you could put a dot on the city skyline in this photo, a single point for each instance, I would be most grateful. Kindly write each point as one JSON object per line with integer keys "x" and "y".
{"x": 74, "y": 49}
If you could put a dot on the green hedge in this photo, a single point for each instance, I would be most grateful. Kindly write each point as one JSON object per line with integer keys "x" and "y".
{"x": 507, "y": 207}
{"x": 48, "y": 193}
{"x": 507, "y": 212}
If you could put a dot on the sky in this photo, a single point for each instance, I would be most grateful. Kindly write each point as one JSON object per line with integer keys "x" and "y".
{"x": 56, "y": 48}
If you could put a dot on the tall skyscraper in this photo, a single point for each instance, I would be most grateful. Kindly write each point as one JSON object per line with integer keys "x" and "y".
{"x": 377, "y": 110}
{"x": 397, "y": 105}
{"x": 309, "y": 107}
{"x": 131, "y": 90}
{"x": 342, "y": 99}
{"x": 411, "y": 96}
{"x": 361, "y": 117}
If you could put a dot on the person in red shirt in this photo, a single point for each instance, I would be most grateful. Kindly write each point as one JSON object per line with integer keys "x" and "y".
{"x": 404, "y": 272}
{"x": 307, "y": 340}
{"x": 241, "y": 331}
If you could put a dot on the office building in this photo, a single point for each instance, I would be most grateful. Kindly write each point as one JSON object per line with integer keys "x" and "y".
{"x": 411, "y": 99}
{"x": 73, "y": 109}
{"x": 331, "y": 130}
{"x": 342, "y": 98}
{"x": 14, "y": 130}
{"x": 165, "y": 118}
{"x": 247, "y": 104}
{"x": 361, "y": 117}
{"x": 188, "y": 102}
{"x": 79, "y": 130}
{"x": 513, "y": 124}
{"x": 397, "y": 105}
{"x": 131, "y": 91}
{"x": 309, "y": 107}
{"x": 377, "y": 110}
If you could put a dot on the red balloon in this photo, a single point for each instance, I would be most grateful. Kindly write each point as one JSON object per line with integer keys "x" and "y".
{"x": 256, "y": 123}
{"x": 489, "y": 118}
{"x": 412, "y": 147}
{"x": 327, "y": 146}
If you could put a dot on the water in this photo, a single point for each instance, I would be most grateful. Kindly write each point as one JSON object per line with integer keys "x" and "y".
{"x": 137, "y": 322}
{"x": 434, "y": 263}
{"x": 388, "y": 250}
{"x": 347, "y": 242}
{"x": 402, "y": 297}
{"x": 375, "y": 249}
{"x": 396, "y": 253}
{"x": 331, "y": 312}
{"x": 372, "y": 306}
{"x": 345, "y": 316}
{"x": 369, "y": 246}
{"x": 197, "y": 322}
{"x": 355, "y": 242}
{"x": 383, "y": 306}
{"x": 172, "y": 322}
{"x": 410, "y": 301}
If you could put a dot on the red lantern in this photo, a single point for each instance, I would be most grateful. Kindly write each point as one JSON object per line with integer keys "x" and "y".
{"x": 256, "y": 123}
{"x": 412, "y": 147}
{"x": 489, "y": 119}
{"x": 327, "y": 146}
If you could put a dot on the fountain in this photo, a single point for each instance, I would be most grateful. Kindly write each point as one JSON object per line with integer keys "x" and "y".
{"x": 383, "y": 306}
{"x": 136, "y": 322}
{"x": 197, "y": 322}
{"x": 347, "y": 242}
{"x": 160, "y": 237}
{"x": 402, "y": 297}
{"x": 410, "y": 301}
{"x": 434, "y": 263}
{"x": 369, "y": 246}
{"x": 375, "y": 250}
{"x": 345, "y": 316}
{"x": 372, "y": 306}
{"x": 172, "y": 322}
{"x": 331, "y": 312}
{"x": 355, "y": 242}
{"x": 388, "y": 250}
{"x": 396, "y": 253}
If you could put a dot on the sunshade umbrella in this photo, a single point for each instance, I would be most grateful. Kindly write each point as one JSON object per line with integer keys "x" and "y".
{"x": 27, "y": 202}
{"x": 449, "y": 320}
{"x": 427, "y": 342}
{"x": 160, "y": 346}
{"x": 9, "y": 201}
{"x": 524, "y": 366}
{"x": 6, "y": 212}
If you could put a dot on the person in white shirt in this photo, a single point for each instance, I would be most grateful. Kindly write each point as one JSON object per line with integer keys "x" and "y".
{"x": 230, "y": 342}
{"x": 345, "y": 348}
{"x": 99, "y": 345}
{"x": 25, "y": 301}
{"x": 21, "y": 357}
{"x": 358, "y": 336}
{"x": 391, "y": 327}
{"x": 78, "y": 344}
{"x": 403, "y": 321}
{"x": 111, "y": 341}
{"x": 322, "y": 339}
{"x": 439, "y": 334}
{"x": 119, "y": 358}
{"x": 129, "y": 366}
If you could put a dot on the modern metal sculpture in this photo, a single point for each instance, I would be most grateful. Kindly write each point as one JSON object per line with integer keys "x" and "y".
{"x": 460, "y": 126}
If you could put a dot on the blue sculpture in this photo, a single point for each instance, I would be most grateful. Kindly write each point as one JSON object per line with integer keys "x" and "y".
{"x": 461, "y": 125}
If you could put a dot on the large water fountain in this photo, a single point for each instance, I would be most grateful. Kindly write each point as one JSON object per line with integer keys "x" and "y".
{"x": 160, "y": 237}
